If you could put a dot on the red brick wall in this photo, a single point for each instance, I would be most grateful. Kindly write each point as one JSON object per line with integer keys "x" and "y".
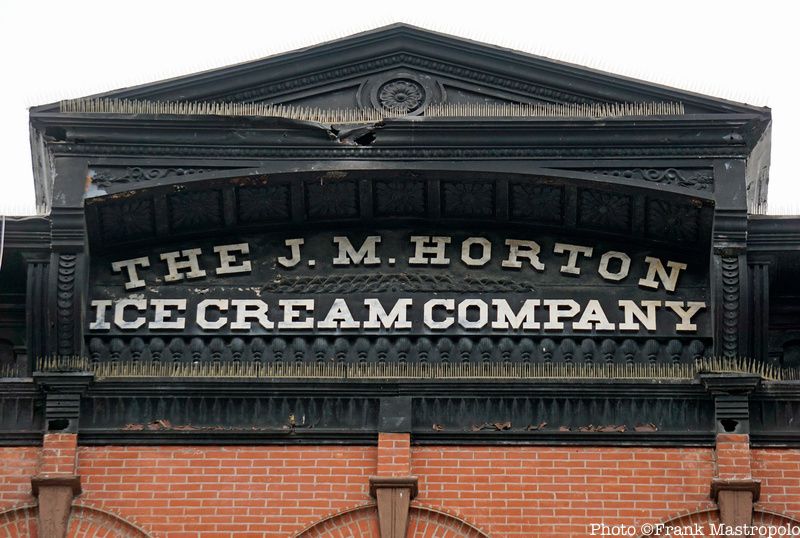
{"x": 253, "y": 491}
{"x": 516, "y": 491}
{"x": 17, "y": 466}
{"x": 779, "y": 472}
{"x": 503, "y": 491}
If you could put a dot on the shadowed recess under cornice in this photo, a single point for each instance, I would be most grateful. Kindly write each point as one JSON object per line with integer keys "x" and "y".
{"x": 358, "y": 115}
{"x": 508, "y": 371}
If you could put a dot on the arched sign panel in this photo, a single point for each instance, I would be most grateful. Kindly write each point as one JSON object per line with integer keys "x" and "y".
{"x": 450, "y": 266}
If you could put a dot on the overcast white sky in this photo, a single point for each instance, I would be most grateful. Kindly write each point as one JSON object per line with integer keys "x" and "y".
{"x": 744, "y": 51}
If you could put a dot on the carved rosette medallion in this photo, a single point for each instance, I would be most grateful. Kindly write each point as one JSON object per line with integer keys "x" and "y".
{"x": 401, "y": 95}
{"x": 400, "y": 92}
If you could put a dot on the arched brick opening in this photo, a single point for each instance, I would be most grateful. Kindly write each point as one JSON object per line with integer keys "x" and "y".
{"x": 89, "y": 522}
{"x": 427, "y": 522}
{"x": 358, "y": 521}
{"x": 765, "y": 517}
{"x": 362, "y": 521}
{"x": 84, "y": 522}
{"x": 706, "y": 518}
{"x": 19, "y": 522}
{"x": 703, "y": 518}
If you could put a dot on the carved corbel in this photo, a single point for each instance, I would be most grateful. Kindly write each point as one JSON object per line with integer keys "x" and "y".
{"x": 393, "y": 496}
{"x": 735, "y": 499}
{"x": 55, "y": 495}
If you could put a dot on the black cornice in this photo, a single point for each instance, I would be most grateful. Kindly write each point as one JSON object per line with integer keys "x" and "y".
{"x": 237, "y": 387}
{"x": 28, "y": 233}
{"x": 139, "y": 411}
{"x": 101, "y": 134}
{"x": 771, "y": 233}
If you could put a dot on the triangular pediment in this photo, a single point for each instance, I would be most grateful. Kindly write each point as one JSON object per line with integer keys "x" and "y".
{"x": 402, "y": 66}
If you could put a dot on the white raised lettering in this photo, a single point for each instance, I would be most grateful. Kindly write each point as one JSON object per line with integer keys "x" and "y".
{"x": 294, "y": 249}
{"x": 631, "y": 310}
{"x": 520, "y": 248}
{"x": 437, "y": 250}
{"x": 558, "y": 310}
{"x": 227, "y": 258}
{"x": 466, "y": 251}
{"x": 339, "y": 317}
{"x": 571, "y": 267}
{"x": 254, "y": 309}
{"x": 174, "y": 266}
{"x": 100, "y": 323}
{"x": 685, "y": 312}
{"x": 593, "y": 317}
{"x": 463, "y": 313}
{"x": 349, "y": 255}
{"x": 162, "y": 314}
{"x": 656, "y": 268}
{"x": 447, "y": 304}
{"x": 291, "y": 313}
{"x": 119, "y": 313}
{"x": 624, "y": 265}
{"x": 203, "y": 322}
{"x": 397, "y": 318}
{"x": 506, "y": 318}
{"x": 129, "y": 266}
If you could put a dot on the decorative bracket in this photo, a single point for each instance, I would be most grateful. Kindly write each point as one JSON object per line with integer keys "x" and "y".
{"x": 55, "y": 502}
{"x": 393, "y": 495}
{"x": 731, "y": 399}
{"x": 735, "y": 499}
{"x": 63, "y": 393}
{"x": 720, "y": 485}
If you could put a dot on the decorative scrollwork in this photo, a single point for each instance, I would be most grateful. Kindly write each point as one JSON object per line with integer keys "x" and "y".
{"x": 108, "y": 177}
{"x": 697, "y": 178}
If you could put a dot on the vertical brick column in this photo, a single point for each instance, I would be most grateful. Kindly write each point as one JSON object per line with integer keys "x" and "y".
{"x": 733, "y": 486}
{"x": 393, "y": 487}
{"x": 59, "y": 453}
{"x": 733, "y": 456}
{"x": 394, "y": 454}
{"x": 56, "y": 483}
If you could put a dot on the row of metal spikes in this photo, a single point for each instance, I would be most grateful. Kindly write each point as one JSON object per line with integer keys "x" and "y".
{"x": 358, "y": 115}
{"x": 327, "y": 370}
